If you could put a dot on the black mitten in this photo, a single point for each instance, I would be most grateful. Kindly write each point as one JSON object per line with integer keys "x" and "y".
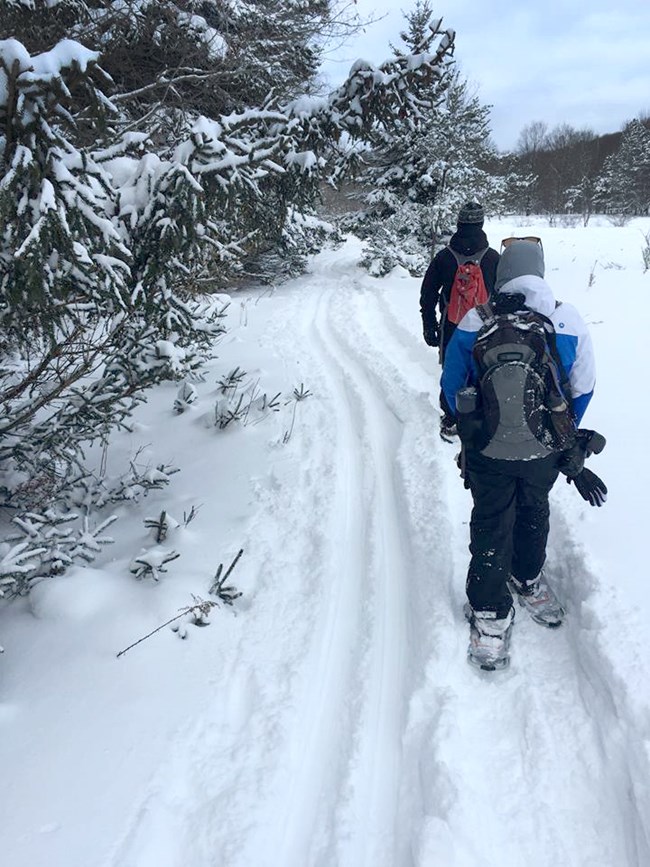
{"x": 590, "y": 487}
{"x": 432, "y": 334}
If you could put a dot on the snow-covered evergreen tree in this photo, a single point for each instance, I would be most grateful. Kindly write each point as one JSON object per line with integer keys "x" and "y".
{"x": 421, "y": 169}
{"x": 623, "y": 186}
{"x": 75, "y": 292}
{"x": 112, "y": 225}
{"x": 421, "y": 176}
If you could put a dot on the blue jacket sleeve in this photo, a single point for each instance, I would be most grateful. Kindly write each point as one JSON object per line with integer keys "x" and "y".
{"x": 580, "y": 404}
{"x": 458, "y": 369}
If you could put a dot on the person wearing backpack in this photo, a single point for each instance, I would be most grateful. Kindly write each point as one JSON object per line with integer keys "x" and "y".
{"x": 518, "y": 374}
{"x": 461, "y": 275}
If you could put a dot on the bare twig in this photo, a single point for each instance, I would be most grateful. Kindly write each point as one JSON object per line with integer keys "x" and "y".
{"x": 202, "y": 606}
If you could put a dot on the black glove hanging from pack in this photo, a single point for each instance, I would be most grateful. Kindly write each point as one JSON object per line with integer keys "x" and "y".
{"x": 572, "y": 460}
{"x": 587, "y": 443}
{"x": 590, "y": 487}
{"x": 592, "y": 442}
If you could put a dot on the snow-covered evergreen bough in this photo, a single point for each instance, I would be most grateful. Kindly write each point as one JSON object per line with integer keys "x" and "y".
{"x": 117, "y": 214}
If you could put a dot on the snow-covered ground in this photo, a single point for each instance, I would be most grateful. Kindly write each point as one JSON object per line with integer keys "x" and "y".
{"x": 331, "y": 719}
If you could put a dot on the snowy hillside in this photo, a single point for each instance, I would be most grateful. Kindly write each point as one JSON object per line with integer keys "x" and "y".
{"x": 330, "y": 718}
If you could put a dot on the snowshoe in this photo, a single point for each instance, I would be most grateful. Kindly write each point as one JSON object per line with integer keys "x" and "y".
{"x": 539, "y": 599}
{"x": 489, "y": 639}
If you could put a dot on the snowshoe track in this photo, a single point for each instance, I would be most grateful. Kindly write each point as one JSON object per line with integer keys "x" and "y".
{"x": 386, "y": 748}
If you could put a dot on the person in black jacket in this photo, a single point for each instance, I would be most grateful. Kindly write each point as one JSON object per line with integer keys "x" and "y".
{"x": 468, "y": 239}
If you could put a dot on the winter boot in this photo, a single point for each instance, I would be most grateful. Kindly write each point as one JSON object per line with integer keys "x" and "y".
{"x": 489, "y": 638}
{"x": 538, "y": 598}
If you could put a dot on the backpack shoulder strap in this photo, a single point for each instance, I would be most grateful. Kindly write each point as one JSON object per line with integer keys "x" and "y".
{"x": 485, "y": 311}
{"x": 551, "y": 340}
{"x": 461, "y": 259}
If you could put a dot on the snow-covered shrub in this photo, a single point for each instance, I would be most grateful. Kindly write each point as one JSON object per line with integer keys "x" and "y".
{"x": 90, "y": 317}
{"x": 151, "y": 564}
{"x": 17, "y": 564}
{"x": 185, "y": 397}
{"x": 302, "y": 235}
{"x": 161, "y": 526}
{"x": 125, "y": 198}
{"x": 242, "y": 401}
{"x": 45, "y": 544}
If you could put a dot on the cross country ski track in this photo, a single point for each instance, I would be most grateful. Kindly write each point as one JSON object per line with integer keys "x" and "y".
{"x": 381, "y": 746}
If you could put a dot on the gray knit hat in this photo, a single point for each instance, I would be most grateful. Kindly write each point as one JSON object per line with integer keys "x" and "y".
{"x": 518, "y": 259}
{"x": 471, "y": 212}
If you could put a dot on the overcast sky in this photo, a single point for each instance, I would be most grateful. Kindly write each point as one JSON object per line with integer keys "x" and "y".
{"x": 582, "y": 62}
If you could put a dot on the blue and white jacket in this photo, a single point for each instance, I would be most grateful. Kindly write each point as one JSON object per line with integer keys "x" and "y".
{"x": 573, "y": 344}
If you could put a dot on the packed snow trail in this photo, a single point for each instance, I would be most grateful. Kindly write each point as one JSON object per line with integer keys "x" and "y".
{"x": 382, "y": 746}
{"x": 335, "y": 722}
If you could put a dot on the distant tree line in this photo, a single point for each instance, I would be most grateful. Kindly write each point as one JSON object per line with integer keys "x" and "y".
{"x": 576, "y": 171}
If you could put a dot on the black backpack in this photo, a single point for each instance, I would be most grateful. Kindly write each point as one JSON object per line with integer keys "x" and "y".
{"x": 522, "y": 409}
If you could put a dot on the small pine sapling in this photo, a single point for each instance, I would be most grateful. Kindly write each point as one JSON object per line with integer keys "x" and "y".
{"x": 226, "y": 594}
{"x": 226, "y": 412}
{"x": 161, "y": 526}
{"x": 297, "y": 396}
{"x": 250, "y": 406}
{"x": 230, "y": 383}
{"x": 90, "y": 542}
{"x": 185, "y": 397}
{"x": 57, "y": 545}
{"x": 261, "y": 405}
{"x": 188, "y": 517}
{"x": 152, "y": 564}
{"x": 301, "y": 393}
{"x": 139, "y": 482}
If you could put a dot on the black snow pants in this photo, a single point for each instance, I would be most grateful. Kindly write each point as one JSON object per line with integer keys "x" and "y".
{"x": 509, "y": 525}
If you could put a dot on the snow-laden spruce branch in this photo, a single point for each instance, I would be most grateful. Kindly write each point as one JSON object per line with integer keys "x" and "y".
{"x": 109, "y": 237}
